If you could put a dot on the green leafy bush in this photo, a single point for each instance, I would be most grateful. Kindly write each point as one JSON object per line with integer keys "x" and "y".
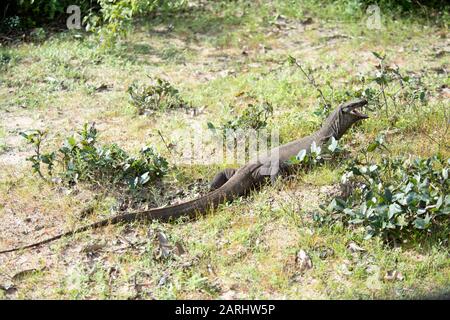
{"x": 81, "y": 159}
{"x": 254, "y": 116}
{"x": 158, "y": 96}
{"x": 19, "y": 14}
{"x": 237, "y": 131}
{"x": 114, "y": 19}
{"x": 5, "y": 59}
{"x": 396, "y": 198}
{"x": 388, "y": 88}
{"x": 110, "y": 19}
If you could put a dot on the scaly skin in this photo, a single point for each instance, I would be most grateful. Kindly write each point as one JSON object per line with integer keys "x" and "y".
{"x": 230, "y": 183}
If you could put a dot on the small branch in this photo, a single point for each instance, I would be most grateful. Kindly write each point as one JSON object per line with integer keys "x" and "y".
{"x": 312, "y": 81}
{"x": 164, "y": 141}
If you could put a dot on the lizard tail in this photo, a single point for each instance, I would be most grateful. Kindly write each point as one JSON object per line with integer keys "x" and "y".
{"x": 201, "y": 205}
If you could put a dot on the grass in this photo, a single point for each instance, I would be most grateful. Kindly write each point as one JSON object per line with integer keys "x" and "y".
{"x": 245, "y": 249}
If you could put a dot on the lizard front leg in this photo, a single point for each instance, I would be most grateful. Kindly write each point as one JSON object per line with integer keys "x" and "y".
{"x": 221, "y": 178}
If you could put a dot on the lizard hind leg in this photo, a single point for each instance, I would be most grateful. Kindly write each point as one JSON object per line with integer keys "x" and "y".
{"x": 221, "y": 178}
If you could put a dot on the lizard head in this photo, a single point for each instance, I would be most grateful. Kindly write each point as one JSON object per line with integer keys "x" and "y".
{"x": 344, "y": 117}
{"x": 350, "y": 110}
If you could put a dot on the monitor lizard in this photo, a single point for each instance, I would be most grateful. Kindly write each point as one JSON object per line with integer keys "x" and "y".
{"x": 233, "y": 183}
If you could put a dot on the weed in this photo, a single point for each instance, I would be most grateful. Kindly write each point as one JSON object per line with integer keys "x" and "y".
{"x": 254, "y": 116}
{"x": 158, "y": 96}
{"x": 396, "y": 198}
{"x": 82, "y": 160}
{"x": 316, "y": 156}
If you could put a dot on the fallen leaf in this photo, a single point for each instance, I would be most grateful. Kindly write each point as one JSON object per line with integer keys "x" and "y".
{"x": 164, "y": 245}
{"x": 101, "y": 87}
{"x": 179, "y": 250}
{"x": 307, "y": 21}
{"x": 303, "y": 261}
{"x": 393, "y": 276}
{"x": 9, "y": 288}
{"x": 229, "y": 295}
{"x": 163, "y": 280}
{"x": 353, "y": 247}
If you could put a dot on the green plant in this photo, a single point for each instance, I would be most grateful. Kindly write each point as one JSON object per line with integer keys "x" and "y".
{"x": 114, "y": 19}
{"x": 10, "y": 23}
{"x": 317, "y": 156}
{"x": 38, "y": 35}
{"x": 5, "y": 59}
{"x": 310, "y": 76}
{"x": 20, "y": 14}
{"x": 160, "y": 95}
{"x": 328, "y": 95}
{"x": 81, "y": 159}
{"x": 397, "y": 91}
{"x": 254, "y": 116}
{"x": 112, "y": 22}
{"x": 35, "y": 138}
{"x": 396, "y": 198}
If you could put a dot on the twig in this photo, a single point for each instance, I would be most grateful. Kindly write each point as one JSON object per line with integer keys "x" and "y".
{"x": 164, "y": 141}
{"x": 312, "y": 81}
{"x": 6, "y": 38}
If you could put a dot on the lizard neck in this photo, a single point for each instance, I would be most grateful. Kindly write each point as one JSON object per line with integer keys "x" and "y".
{"x": 329, "y": 129}
{"x": 333, "y": 126}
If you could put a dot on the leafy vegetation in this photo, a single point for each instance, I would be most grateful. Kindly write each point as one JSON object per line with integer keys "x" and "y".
{"x": 395, "y": 90}
{"x": 316, "y": 156}
{"x": 158, "y": 96}
{"x": 397, "y": 198}
{"x": 81, "y": 159}
{"x": 236, "y": 131}
{"x": 254, "y": 116}
{"x": 22, "y": 14}
{"x": 111, "y": 20}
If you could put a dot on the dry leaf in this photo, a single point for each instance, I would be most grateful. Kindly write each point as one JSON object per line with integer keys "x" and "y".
{"x": 179, "y": 249}
{"x": 9, "y": 288}
{"x": 353, "y": 247}
{"x": 163, "y": 280}
{"x": 393, "y": 276}
{"x": 229, "y": 295}
{"x": 303, "y": 261}
{"x": 164, "y": 246}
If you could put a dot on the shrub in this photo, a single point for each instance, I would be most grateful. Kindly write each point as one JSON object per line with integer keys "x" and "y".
{"x": 160, "y": 95}
{"x": 111, "y": 19}
{"x": 81, "y": 159}
{"x": 389, "y": 88}
{"x": 19, "y": 14}
{"x": 254, "y": 116}
{"x": 5, "y": 59}
{"x": 396, "y": 198}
